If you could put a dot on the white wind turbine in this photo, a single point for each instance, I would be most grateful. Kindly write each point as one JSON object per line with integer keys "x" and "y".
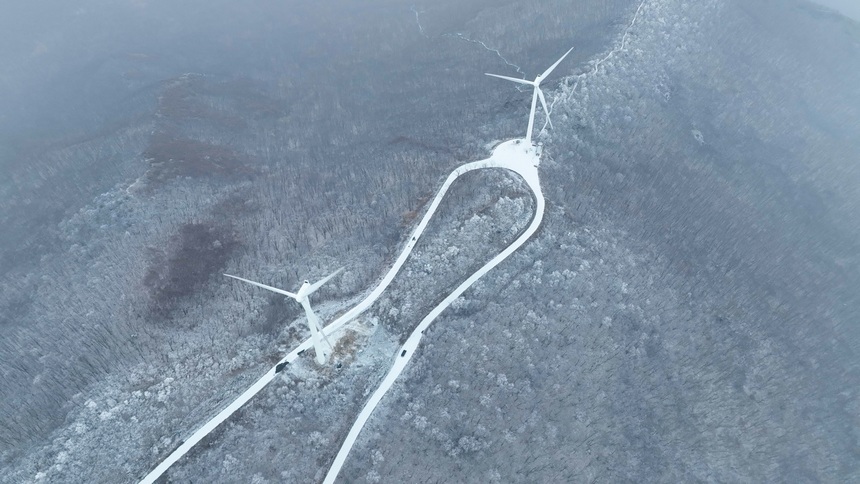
{"x": 314, "y": 323}
{"x": 538, "y": 94}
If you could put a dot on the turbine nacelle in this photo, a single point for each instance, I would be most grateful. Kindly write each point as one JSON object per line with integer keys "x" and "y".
{"x": 303, "y": 291}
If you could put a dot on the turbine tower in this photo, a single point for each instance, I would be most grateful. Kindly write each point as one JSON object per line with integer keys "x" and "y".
{"x": 322, "y": 347}
{"x": 538, "y": 94}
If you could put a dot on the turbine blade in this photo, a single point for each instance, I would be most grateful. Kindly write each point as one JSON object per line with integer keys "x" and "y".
{"x": 552, "y": 67}
{"x": 320, "y": 328}
{"x": 545, "y": 109}
{"x": 270, "y": 288}
{"x": 316, "y": 334}
{"x": 319, "y": 284}
{"x": 512, "y": 79}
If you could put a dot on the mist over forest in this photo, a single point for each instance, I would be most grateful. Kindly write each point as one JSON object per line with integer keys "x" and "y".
{"x": 687, "y": 311}
{"x": 845, "y": 7}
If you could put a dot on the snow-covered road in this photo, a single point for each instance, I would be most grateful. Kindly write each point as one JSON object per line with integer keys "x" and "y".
{"x": 514, "y": 155}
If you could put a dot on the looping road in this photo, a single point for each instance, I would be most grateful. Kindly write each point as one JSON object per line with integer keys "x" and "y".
{"x": 515, "y": 155}
{"x": 511, "y": 156}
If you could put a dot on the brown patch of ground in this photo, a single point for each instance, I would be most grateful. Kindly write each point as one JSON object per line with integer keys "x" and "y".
{"x": 194, "y": 254}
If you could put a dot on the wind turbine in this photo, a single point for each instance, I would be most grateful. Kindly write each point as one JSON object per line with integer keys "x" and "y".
{"x": 314, "y": 322}
{"x": 538, "y": 94}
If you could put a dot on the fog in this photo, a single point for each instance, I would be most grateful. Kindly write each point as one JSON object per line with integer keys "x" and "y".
{"x": 849, "y": 8}
{"x": 687, "y": 310}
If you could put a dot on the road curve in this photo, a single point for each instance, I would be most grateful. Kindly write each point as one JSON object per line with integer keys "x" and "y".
{"x": 511, "y": 155}
{"x": 514, "y": 155}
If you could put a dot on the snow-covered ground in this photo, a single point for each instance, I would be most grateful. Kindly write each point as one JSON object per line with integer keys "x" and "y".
{"x": 515, "y": 155}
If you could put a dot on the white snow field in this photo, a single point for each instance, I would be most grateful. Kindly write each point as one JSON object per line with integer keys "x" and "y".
{"x": 515, "y": 155}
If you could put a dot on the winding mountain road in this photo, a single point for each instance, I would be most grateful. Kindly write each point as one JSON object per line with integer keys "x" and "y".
{"x": 515, "y": 155}
{"x": 510, "y": 155}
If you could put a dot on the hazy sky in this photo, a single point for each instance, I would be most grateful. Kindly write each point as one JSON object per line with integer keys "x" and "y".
{"x": 851, "y": 8}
